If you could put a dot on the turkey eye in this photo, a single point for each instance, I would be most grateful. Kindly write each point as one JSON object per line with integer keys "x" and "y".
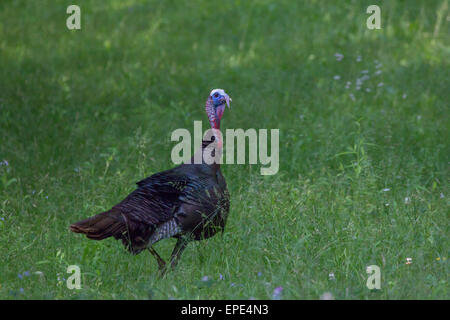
{"x": 216, "y": 95}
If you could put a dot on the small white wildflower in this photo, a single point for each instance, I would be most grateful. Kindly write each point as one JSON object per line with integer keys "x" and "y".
{"x": 352, "y": 96}
{"x": 441, "y": 195}
{"x": 386, "y": 189}
{"x": 358, "y": 58}
{"x": 358, "y": 88}
{"x": 327, "y": 296}
{"x": 408, "y": 260}
{"x": 407, "y": 200}
{"x": 339, "y": 56}
{"x": 378, "y": 66}
{"x": 365, "y": 71}
{"x": 39, "y": 273}
{"x": 331, "y": 276}
{"x": 378, "y": 72}
{"x": 404, "y": 96}
{"x": 419, "y": 117}
{"x": 336, "y": 77}
{"x": 386, "y": 204}
{"x": 368, "y": 90}
{"x": 380, "y": 84}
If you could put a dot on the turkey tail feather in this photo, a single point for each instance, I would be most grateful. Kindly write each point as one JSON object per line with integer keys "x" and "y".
{"x": 101, "y": 226}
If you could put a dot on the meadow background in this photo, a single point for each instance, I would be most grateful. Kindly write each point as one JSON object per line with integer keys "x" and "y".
{"x": 364, "y": 144}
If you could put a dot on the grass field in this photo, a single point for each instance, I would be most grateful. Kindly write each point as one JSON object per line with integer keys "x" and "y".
{"x": 364, "y": 167}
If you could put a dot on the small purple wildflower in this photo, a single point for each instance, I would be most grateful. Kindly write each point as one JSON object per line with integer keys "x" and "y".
{"x": 21, "y": 290}
{"x": 276, "y": 295}
{"x": 221, "y": 277}
{"x": 20, "y": 276}
{"x": 232, "y": 284}
{"x": 259, "y": 274}
{"x": 1, "y": 218}
{"x": 205, "y": 278}
{"x": 26, "y": 273}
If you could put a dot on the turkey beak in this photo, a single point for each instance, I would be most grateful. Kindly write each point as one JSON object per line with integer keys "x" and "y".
{"x": 228, "y": 100}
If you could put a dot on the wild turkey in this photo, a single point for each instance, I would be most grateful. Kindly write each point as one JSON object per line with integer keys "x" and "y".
{"x": 188, "y": 202}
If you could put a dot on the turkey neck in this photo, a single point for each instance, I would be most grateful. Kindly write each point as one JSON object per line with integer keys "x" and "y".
{"x": 216, "y": 136}
{"x": 217, "y": 142}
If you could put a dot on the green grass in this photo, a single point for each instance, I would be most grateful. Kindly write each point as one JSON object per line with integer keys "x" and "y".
{"x": 85, "y": 114}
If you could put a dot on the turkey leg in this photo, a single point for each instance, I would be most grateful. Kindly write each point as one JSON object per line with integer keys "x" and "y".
{"x": 177, "y": 250}
{"x": 161, "y": 262}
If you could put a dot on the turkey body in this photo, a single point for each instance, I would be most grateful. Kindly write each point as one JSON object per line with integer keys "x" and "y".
{"x": 190, "y": 201}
